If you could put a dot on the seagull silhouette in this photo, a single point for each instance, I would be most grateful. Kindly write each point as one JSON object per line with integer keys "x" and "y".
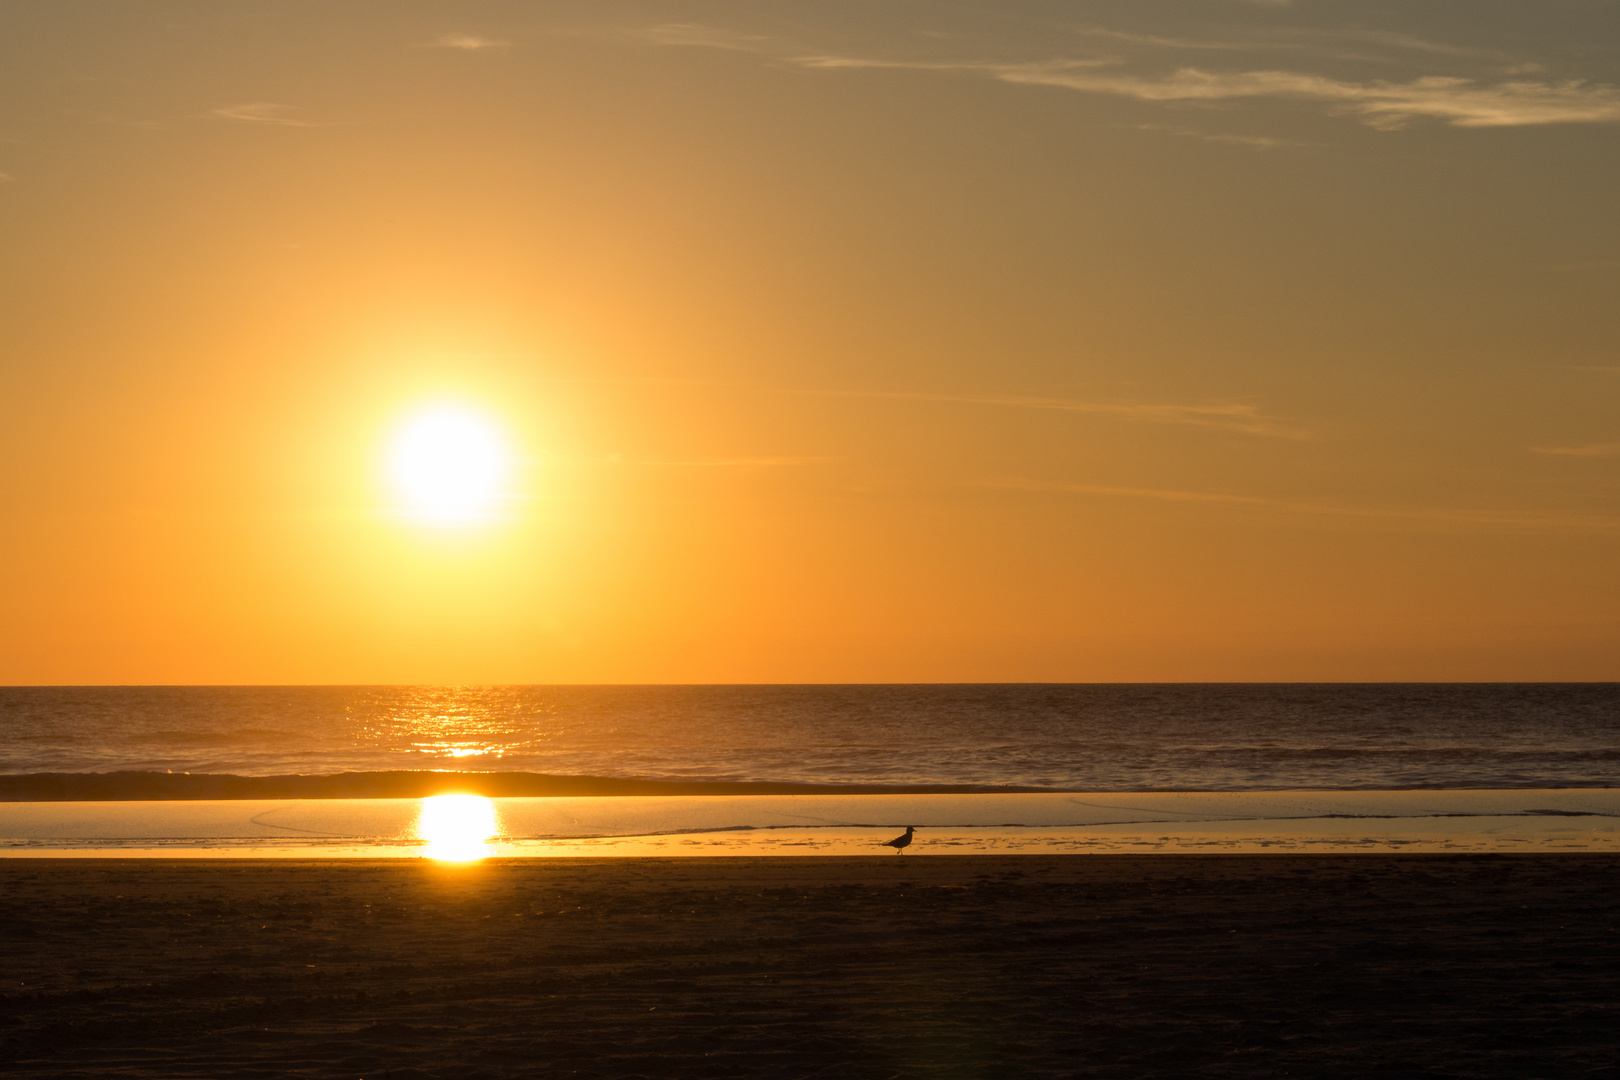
{"x": 900, "y": 843}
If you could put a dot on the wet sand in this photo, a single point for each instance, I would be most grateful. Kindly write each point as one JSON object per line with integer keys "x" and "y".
{"x": 1514, "y": 820}
{"x": 1109, "y": 966}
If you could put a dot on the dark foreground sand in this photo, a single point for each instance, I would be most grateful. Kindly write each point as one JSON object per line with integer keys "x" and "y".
{"x": 1128, "y": 966}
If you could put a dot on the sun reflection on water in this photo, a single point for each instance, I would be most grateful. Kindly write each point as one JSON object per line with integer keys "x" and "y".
{"x": 457, "y": 828}
{"x": 453, "y": 750}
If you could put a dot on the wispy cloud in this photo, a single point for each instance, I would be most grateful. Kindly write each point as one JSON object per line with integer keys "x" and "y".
{"x": 1456, "y": 101}
{"x": 1228, "y": 416}
{"x": 261, "y": 113}
{"x": 741, "y": 463}
{"x": 1382, "y": 103}
{"x": 1258, "y": 142}
{"x": 1449, "y": 515}
{"x": 1589, "y": 450}
{"x": 467, "y": 42}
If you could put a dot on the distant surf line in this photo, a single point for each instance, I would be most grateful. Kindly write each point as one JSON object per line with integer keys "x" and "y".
{"x": 416, "y": 784}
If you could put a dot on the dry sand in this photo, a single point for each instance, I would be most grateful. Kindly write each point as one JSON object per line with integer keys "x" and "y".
{"x": 1128, "y": 966}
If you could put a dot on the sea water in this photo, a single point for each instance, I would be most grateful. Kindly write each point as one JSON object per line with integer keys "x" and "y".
{"x": 1090, "y": 738}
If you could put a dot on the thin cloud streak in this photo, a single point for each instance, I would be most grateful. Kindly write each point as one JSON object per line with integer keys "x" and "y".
{"x": 1239, "y": 417}
{"x": 1590, "y": 450}
{"x": 1327, "y": 42}
{"x": 741, "y": 463}
{"x": 1434, "y": 514}
{"x": 467, "y": 42}
{"x": 1258, "y": 142}
{"x": 1157, "y": 42}
{"x": 260, "y": 113}
{"x": 695, "y": 35}
{"x": 1231, "y": 417}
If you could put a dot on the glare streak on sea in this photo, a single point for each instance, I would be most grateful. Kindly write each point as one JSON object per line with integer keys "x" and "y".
{"x": 1095, "y": 738}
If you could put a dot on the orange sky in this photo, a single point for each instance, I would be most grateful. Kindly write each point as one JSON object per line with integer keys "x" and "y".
{"x": 1216, "y": 340}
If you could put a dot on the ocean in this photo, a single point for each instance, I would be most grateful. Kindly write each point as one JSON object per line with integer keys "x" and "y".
{"x": 1088, "y": 738}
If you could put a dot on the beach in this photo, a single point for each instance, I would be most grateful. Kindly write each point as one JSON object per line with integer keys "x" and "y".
{"x": 880, "y": 966}
{"x": 188, "y": 889}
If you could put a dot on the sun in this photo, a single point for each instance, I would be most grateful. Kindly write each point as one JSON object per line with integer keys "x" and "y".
{"x": 448, "y": 465}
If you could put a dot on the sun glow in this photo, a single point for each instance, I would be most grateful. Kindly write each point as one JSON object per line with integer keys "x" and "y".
{"x": 457, "y": 828}
{"x": 448, "y": 465}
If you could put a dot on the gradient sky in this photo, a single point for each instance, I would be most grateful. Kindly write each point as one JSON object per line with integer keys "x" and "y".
{"x": 837, "y": 341}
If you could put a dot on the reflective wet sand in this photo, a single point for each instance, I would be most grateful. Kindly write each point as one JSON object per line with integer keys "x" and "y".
{"x": 1482, "y": 821}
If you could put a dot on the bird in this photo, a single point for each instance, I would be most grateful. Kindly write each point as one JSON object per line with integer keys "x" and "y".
{"x": 900, "y": 843}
